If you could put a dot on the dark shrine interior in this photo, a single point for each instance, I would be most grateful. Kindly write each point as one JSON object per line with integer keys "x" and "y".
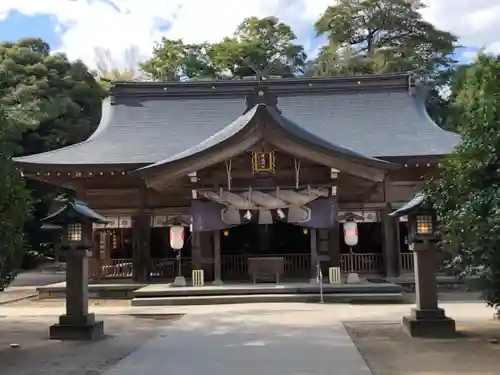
{"x": 262, "y": 239}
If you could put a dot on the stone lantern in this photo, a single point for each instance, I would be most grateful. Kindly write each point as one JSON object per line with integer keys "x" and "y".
{"x": 426, "y": 320}
{"x": 76, "y": 219}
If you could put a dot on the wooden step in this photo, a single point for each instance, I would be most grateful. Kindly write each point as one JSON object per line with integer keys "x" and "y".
{"x": 268, "y": 298}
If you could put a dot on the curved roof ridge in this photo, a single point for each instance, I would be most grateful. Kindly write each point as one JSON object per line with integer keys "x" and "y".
{"x": 252, "y": 82}
{"x": 106, "y": 117}
{"x": 303, "y": 85}
{"x": 419, "y": 99}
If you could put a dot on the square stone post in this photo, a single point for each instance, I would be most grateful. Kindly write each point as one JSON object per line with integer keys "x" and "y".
{"x": 427, "y": 319}
{"x": 77, "y": 323}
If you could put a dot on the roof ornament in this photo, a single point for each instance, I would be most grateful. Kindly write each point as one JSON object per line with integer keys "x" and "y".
{"x": 415, "y": 80}
{"x": 261, "y": 74}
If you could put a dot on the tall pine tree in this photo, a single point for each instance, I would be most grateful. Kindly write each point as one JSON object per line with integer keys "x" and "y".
{"x": 467, "y": 193}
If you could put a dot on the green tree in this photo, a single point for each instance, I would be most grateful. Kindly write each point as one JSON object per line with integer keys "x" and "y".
{"x": 14, "y": 205}
{"x": 390, "y": 35}
{"x": 386, "y": 36}
{"x": 467, "y": 192}
{"x": 57, "y": 103}
{"x": 174, "y": 60}
{"x": 264, "y": 43}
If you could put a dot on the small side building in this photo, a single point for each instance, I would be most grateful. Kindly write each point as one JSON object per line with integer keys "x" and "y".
{"x": 260, "y": 168}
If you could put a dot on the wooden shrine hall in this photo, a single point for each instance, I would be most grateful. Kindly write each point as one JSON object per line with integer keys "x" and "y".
{"x": 253, "y": 169}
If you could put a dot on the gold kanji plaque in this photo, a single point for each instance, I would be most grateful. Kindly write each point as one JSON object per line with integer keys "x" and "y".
{"x": 263, "y": 162}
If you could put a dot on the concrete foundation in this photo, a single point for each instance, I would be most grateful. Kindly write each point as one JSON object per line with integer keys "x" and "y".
{"x": 179, "y": 281}
{"x": 429, "y": 324}
{"x": 84, "y": 328}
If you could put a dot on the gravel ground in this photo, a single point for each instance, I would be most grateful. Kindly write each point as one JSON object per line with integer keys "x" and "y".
{"x": 389, "y": 351}
{"x": 37, "y": 355}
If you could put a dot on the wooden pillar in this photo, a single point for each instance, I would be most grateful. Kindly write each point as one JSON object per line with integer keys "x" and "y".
{"x": 207, "y": 254}
{"x": 334, "y": 245}
{"x": 314, "y": 254}
{"x": 217, "y": 259}
{"x": 391, "y": 244}
{"x": 141, "y": 256}
{"x": 196, "y": 251}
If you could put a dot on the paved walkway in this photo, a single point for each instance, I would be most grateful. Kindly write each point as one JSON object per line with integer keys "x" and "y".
{"x": 26, "y": 282}
{"x": 276, "y": 343}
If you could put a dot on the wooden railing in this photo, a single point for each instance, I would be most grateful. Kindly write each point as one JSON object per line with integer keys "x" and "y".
{"x": 165, "y": 268}
{"x": 235, "y": 267}
{"x": 362, "y": 263}
{"x": 408, "y": 265}
{"x": 407, "y": 262}
{"x": 110, "y": 268}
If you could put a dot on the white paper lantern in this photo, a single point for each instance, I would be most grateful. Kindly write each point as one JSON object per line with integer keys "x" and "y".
{"x": 351, "y": 233}
{"x": 176, "y": 237}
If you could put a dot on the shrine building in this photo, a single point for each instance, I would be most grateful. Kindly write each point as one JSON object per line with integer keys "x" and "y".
{"x": 269, "y": 168}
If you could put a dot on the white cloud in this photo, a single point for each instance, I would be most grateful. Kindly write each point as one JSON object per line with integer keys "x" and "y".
{"x": 119, "y": 24}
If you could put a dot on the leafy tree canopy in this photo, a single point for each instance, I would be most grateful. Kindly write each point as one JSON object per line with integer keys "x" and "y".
{"x": 51, "y": 102}
{"x": 381, "y": 36}
{"x": 467, "y": 193}
{"x": 57, "y": 101}
{"x": 387, "y": 36}
{"x": 265, "y": 43}
{"x": 14, "y": 205}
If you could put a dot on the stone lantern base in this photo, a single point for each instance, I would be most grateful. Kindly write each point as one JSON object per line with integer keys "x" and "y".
{"x": 429, "y": 323}
{"x": 84, "y": 328}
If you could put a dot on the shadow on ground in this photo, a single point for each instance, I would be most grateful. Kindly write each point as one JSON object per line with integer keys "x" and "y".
{"x": 389, "y": 351}
{"x": 37, "y": 355}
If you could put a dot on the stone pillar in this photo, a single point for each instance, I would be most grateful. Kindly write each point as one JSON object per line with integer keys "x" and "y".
{"x": 77, "y": 323}
{"x": 390, "y": 242}
{"x": 141, "y": 256}
{"x": 76, "y": 283}
{"x": 314, "y": 255}
{"x": 217, "y": 259}
{"x": 427, "y": 320}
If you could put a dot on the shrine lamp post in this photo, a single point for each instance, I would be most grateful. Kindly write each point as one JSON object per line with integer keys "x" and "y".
{"x": 76, "y": 219}
{"x": 427, "y": 319}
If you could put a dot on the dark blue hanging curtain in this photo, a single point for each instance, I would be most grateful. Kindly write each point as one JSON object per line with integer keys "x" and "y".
{"x": 207, "y": 215}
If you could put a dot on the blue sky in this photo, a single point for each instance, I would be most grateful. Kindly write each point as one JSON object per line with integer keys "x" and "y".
{"x": 78, "y": 26}
{"x": 18, "y": 25}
